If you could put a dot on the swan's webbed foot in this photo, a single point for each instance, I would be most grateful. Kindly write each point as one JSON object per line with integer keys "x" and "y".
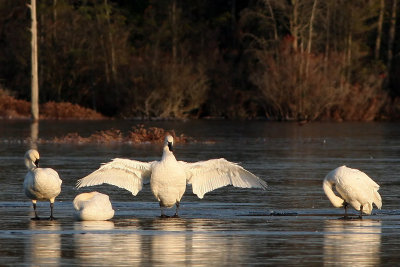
{"x": 51, "y": 218}
{"x": 36, "y": 218}
{"x": 175, "y": 216}
{"x": 164, "y": 216}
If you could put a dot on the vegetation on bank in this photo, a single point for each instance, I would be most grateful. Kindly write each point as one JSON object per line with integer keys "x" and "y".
{"x": 12, "y": 108}
{"x": 138, "y": 135}
{"x": 279, "y": 60}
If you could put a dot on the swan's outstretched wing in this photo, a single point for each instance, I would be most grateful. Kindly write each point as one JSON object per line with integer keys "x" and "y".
{"x": 205, "y": 176}
{"x": 124, "y": 173}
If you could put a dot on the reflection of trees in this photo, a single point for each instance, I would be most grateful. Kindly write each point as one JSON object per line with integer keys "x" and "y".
{"x": 44, "y": 248}
{"x": 352, "y": 243}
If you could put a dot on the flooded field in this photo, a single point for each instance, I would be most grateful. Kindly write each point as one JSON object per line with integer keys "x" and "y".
{"x": 291, "y": 223}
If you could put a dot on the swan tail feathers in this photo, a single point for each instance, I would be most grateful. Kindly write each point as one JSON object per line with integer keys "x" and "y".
{"x": 367, "y": 209}
{"x": 377, "y": 200}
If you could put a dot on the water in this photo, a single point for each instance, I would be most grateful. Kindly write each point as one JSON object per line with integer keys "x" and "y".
{"x": 229, "y": 226}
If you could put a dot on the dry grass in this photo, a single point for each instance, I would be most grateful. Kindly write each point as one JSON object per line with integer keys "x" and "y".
{"x": 138, "y": 135}
{"x": 12, "y": 108}
{"x": 63, "y": 110}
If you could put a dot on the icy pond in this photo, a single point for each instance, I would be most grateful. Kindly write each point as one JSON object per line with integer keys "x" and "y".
{"x": 291, "y": 223}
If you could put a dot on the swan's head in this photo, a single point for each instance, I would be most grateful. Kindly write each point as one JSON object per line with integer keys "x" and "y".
{"x": 32, "y": 159}
{"x": 169, "y": 142}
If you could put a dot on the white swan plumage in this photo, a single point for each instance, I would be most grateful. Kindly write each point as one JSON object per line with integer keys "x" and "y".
{"x": 93, "y": 206}
{"x": 40, "y": 183}
{"x": 354, "y": 187}
{"x": 168, "y": 177}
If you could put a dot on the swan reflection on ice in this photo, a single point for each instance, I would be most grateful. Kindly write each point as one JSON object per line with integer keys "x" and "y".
{"x": 44, "y": 247}
{"x": 169, "y": 245}
{"x": 352, "y": 242}
{"x": 98, "y": 243}
{"x": 94, "y": 245}
{"x": 174, "y": 246}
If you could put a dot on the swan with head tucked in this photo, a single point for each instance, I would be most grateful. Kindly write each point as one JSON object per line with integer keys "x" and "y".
{"x": 168, "y": 177}
{"x": 40, "y": 183}
{"x": 354, "y": 187}
{"x": 93, "y": 206}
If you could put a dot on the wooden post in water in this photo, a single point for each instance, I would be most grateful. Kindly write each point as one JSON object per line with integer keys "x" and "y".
{"x": 34, "y": 64}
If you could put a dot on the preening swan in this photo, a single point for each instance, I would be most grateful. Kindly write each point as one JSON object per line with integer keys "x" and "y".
{"x": 168, "y": 177}
{"x": 93, "y": 206}
{"x": 40, "y": 183}
{"x": 354, "y": 187}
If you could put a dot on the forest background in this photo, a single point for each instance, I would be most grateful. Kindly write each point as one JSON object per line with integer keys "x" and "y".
{"x": 237, "y": 59}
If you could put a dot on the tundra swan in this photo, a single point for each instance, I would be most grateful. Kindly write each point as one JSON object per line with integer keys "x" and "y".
{"x": 40, "y": 183}
{"x": 168, "y": 177}
{"x": 354, "y": 187}
{"x": 93, "y": 206}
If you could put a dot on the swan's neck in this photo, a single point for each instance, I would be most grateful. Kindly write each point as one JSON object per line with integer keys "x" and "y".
{"x": 30, "y": 165}
{"x": 167, "y": 154}
{"x": 335, "y": 200}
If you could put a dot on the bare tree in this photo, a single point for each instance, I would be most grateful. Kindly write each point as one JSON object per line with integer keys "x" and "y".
{"x": 310, "y": 33}
{"x": 35, "y": 81}
{"x": 294, "y": 23}
{"x": 174, "y": 32}
{"x": 111, "y": 41}
{"x": 392, "y": 33}
{"x": 379, "y": 34}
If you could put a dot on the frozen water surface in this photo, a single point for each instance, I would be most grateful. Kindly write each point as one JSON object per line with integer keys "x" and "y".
{"x": 292, "y": 223}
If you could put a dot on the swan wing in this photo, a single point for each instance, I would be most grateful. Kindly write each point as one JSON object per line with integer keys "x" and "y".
{"x": 362, "y": 177}
{"x": 123, "y": 173}
{"x": 372, "y": 188}
{"x": 205, "y": 176}
{"x": 358, "y": 189}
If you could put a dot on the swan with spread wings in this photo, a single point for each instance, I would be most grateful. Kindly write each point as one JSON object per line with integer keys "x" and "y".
{"x": 168, "y": 177}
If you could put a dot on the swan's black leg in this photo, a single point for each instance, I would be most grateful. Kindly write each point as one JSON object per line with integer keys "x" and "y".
{"x": 361, "y": 210}
{"x": 162, "y": 211}
{"x": 345, "y": 204}
{"x": 51, "y": 212}
{"x": 34, "y": 209}
{"x": 177, "y": 209}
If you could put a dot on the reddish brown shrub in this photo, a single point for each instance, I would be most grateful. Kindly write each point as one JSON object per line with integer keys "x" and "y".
{"x": 64, "y": 110}
{"x": 12, "y": 108}
{"x": 138, "y": 135}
